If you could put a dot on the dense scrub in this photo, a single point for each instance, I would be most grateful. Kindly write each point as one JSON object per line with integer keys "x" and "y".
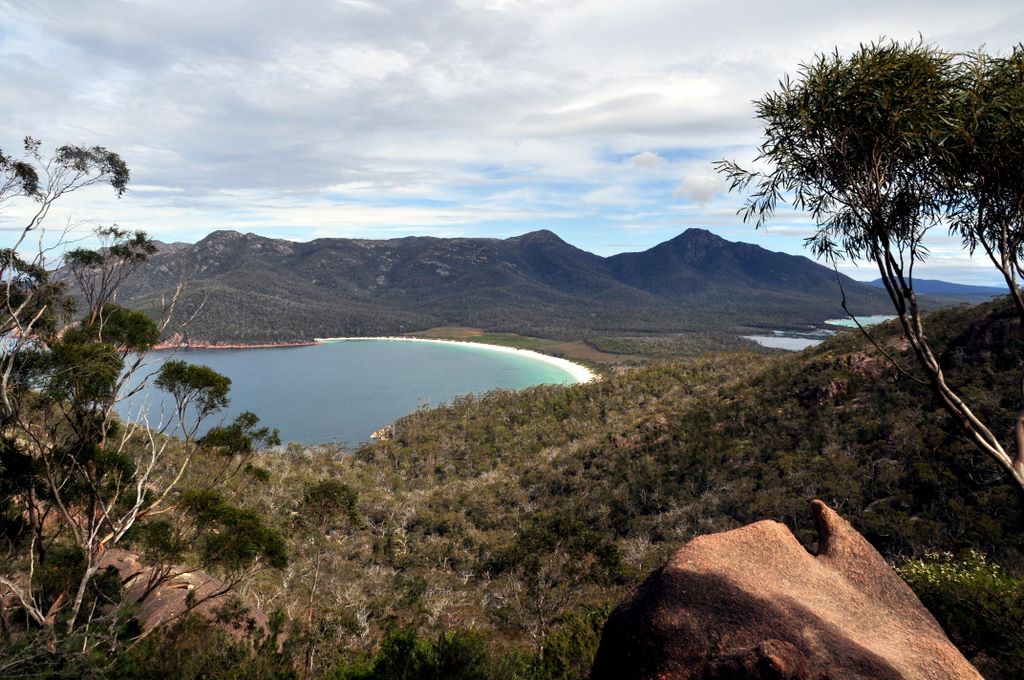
{"x": 500, "y": 529}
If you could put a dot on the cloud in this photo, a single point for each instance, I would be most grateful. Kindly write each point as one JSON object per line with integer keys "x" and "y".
{"x": 506, "y": 112}
{"x": 613, "y": 195}
{"x": 647, "y": 159}
{"x": 699, "y": 188}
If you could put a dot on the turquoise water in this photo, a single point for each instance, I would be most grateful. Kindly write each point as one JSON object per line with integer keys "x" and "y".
{"x": 343, "y": 391}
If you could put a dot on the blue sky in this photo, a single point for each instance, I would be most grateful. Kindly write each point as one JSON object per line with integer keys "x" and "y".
{"x": 597, "y": 119}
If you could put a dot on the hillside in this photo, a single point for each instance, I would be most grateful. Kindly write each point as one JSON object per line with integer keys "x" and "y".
{"x": 509, "y": 523}
{"x": 256, "y": 289}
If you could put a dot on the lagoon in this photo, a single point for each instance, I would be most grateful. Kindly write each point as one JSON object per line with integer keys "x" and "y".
{"x": 794, "y": 341}
{"x": 343, "y": 390}
{"x": 863, "y": 320}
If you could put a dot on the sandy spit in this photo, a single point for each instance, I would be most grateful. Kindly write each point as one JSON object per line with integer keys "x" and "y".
{"x": 579, "y": 372}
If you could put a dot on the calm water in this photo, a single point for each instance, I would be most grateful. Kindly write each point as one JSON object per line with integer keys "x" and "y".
{"x": 864, "y": 321}
{"x": 796, "y": 341}
{"x": 782, "y": 340}
{"x": 343, "y": 391}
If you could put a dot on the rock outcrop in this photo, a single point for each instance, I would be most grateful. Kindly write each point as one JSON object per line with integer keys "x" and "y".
{"x": 193, "y": 590}
{"x": 754, "y": 603}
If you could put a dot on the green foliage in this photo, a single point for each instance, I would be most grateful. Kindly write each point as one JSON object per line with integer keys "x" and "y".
{"x": 404, "y": 656}
{"x": 32, "y": 289}
{"x": 241, "y": 437}
{"x": 570, "y": 648}
{"x": 985, "y": 168}
{"x": 196, "y": 649}
{"x": 94, "y": 159}
{"x": 326, "y": 502}
{"x": 76, "y": 481}
{"x": 18, "y": 177}
{"x": 587, "y": 553}
{"x": 125, "y": 328}
{"x": 880, "y": 147}
{"x": 827, "y": 132}
{"x": 676, "y": 346}
{"x": 61, "y": 571}
{"x": 83, "y": 372}
{"x": 158, "y": 542}
{"x": 466, "y": 655}
{"x": 233, "y": 538}
{"x": 195, "y": 386}
{"x": 979, "y": 605}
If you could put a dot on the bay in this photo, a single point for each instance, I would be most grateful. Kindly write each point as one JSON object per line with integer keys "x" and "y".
{"x": 342, "y": 391}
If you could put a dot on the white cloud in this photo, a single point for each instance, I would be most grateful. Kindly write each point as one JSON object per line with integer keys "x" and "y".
{"x": 647, "y": 159}
{"x": 502, "y": 110}
{"x": 613, "y": 195}
{"x": 699, "y": 188}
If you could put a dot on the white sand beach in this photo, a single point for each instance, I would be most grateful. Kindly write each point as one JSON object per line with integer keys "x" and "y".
{"x": 579, "y": 372}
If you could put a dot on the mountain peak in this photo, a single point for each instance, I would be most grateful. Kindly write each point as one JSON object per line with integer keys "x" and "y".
{"x": 696, "y": 235}
{"x": 696, "y": 244}
{"x": 220, "y": 236}
{"x": 224, "y": 233}
{"x": 539, "y": 236}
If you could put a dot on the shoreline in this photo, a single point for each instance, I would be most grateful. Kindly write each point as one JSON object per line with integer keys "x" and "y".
{"x": 580, "y": 373}
{"x": 231, "y": 345}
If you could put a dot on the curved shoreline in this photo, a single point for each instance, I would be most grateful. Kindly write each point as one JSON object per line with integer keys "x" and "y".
{"x": 201, "y": 344}
{"x": 578, "y": 372}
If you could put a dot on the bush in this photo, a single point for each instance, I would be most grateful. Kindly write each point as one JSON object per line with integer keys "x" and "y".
{"x": 981, "y": 608}
{"x": 455, "y": 655}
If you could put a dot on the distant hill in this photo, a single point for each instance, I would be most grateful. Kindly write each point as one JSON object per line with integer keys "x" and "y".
{"x": 258, "y": 289}
{"x": 953, "y": 291}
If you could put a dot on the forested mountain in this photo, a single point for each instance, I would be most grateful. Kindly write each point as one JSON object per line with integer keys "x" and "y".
{"x": 258, "y": 289}
{"x": 958, "y": 291}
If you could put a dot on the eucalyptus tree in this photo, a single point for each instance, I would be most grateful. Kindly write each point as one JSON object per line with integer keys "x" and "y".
{"x": 880, "y": 148}
{"x": 76, "y": 479}
{"x": 986, "y": 166}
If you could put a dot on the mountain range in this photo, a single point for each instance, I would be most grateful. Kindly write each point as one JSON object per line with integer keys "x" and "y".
{"x": 249, "y": 288}
{"x": 958, "y": 291}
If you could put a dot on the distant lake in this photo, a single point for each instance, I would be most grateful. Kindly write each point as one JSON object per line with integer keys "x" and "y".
{"x": 342, "y": 391}
{"x": 864, "y": 321}
{"x": 795, "y": 341}
{"x": 789, "y": 341}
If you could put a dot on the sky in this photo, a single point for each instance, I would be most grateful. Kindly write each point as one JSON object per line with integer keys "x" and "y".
{"x": 597, "y": 119}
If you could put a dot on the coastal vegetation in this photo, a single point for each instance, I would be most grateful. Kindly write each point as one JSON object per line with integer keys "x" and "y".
{"x": 499, "y": 530}
{"x": 78, "y": 482}
{"x": 491, "y": 536}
